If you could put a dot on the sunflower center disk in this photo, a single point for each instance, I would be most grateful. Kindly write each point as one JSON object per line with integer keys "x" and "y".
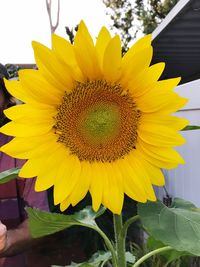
{"x": 100, "y": 123}
{"x": 97, "y": 122}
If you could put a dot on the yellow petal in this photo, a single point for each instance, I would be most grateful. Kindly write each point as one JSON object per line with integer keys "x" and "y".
{"x": 115, "y": 183}
{"x": 159, "y": 135}
{"x": 133, "y": 187}
{"x": 85, "y": 53}
{"x": 101, "y": 44}
{"x": 25, "y": 113}
{"x": 65, "y": 52}
{"x": 25, "y": 130}
{"x": 96, "y": 186}
{"x": 65, "y": 204}
{"x": 155, "y": 174}
{"x": 46, "y": 148}
{"x": 112, "y": 60}
{"x": 140, "y": 178}
{"x": 27, "y": 94}
{"x": 137, "y": 47}
{"x": 154, "y": 86}
{"x": 18, "y": 147}
{"x": 160, "y": 100}
{"x": 106, "y": 187}
{"x": 168, "y": 84}
{"x": 66, "y": 178}
{"x": 82, "y": 187}
{"x": 47, "y": 173}
{"x": 159, "y": 156}
{"x": 139, "y": 62}
{"x": 38, "y": 88}
{"x": 144, "y": 81}
{"x": 142, "y": 175}
{"x": 31, "y": 168}
{"x": 53, "y": 70}
{"x": 174, "y": 122}
{"x": 176, "y": 104}
{"x": 15, "y": 89}
{"x": 22, "y": 148}
{"x": 46, "y": 181}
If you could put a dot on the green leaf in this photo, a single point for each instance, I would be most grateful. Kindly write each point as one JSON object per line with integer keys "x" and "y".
{"x": 183, "y": 204}
{"x": 9, "y": 175}
{"x": 129, "y": 257}
{"x": 43, "y": 223}
{"x": 99, "y": 257}
{"x": 191, "y": 127}
{"x": 177, "y": 226}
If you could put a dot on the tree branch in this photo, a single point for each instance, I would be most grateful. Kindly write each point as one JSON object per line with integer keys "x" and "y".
{"x": 49, "y": 11}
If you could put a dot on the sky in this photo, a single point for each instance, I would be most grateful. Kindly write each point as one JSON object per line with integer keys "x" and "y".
{"x": 23, "y": 21}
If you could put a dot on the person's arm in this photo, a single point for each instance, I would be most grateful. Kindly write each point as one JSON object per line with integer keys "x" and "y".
{"x": 3, "y": 231}
{"x": 15, "y": 241}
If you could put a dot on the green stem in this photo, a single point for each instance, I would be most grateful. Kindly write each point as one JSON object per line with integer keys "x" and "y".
{"x": 148, "y": 255}
{"x": 109, "y": 245}
{"x": 120, "y": 240}
{"x": 128, "y": 223}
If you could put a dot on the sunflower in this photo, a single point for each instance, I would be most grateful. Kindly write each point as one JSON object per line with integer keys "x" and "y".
{"x": 94, "y": 120}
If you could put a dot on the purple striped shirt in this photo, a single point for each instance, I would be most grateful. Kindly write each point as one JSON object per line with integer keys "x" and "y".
{"x": 32, "y": 198}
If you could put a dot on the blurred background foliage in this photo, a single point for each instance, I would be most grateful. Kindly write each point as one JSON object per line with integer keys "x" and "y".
{"x": 129, "y": 18}
{"x": 132, "y": 17}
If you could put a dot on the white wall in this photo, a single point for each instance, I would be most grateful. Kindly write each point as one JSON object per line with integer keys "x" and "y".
{"x": 184, "y": 181}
